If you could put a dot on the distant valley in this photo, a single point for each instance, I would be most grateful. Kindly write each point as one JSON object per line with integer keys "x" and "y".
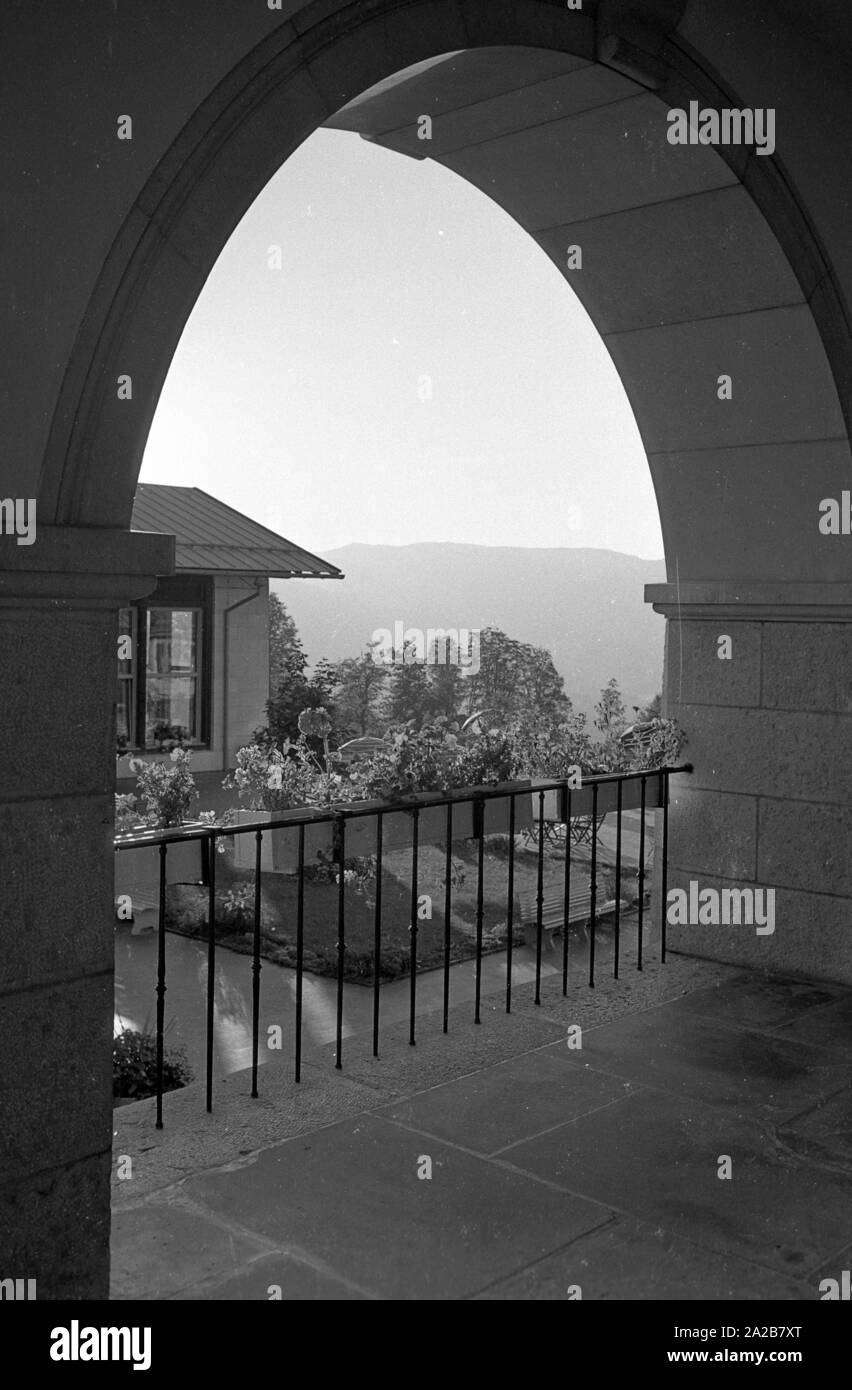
{"x": 584, "y": 606}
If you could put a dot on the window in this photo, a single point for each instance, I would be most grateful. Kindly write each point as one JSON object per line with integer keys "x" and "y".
{"x": 126, "y": 705}
{"x": 163, "y": 683}
{"x": 172, "y": 687}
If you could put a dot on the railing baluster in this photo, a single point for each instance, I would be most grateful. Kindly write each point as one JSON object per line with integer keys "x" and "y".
{"x": 510, "y": 905}
{"x": 539, "y": 913}
{"x": 377, "y": 931}
{"x": 448, "y": 908}
{"x": 211, "y": 970}
{"x": 641, "y": 877}
{"x": 161, "y": 983}
{"x": 480, "y": 901}
{"x": 664, "y": 874}
{"x": 413, "y": 929}
{"x": 341, "y": 936}
{"x": 594, "y": 886}
{"x": 255, "y": 965}
{"x": 300, "y": 949}
{"x": 566, "y": 926}
{"x": 617, "y": 932}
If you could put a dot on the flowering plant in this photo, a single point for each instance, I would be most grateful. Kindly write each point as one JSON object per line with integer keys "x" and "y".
{"x": 266, "y": 779}
{"x": 418, "y": 760}
{"x": 168, "y": 791}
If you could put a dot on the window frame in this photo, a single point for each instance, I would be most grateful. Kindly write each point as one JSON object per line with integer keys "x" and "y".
{"x": 185, "y": 593}
{"x": 130, "y": 630}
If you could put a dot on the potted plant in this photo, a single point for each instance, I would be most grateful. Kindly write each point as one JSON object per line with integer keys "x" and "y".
{"x": 491, "y": 759}
{"x": 272, "y": 781}
{"x": 267, "y": 782}
{"x": 415, "y": 768}
{"x": 168, "y": 791}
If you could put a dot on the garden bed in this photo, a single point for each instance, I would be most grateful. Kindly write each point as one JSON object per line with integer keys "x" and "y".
{"x": 187, "y": 907}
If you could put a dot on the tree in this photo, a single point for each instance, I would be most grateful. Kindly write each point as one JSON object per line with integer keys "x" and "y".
{"x": 516, "y": 681}
{"x": 611, "y": 720}
{"x": 610, "y": 714}
{"x": 540, "y": 686}
{"x": 360, "y": 683}
{"x": 408, "y": 699}
{"x": 289, "y": 686}
{"x": 447, "y": 687}
{"x": 287, "y": 660}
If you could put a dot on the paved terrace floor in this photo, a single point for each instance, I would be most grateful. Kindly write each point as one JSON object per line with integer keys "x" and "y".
{"x": 551, "y": 1167}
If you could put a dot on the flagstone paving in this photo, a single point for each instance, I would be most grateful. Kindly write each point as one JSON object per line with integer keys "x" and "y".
{"x": 501, "y": 1162}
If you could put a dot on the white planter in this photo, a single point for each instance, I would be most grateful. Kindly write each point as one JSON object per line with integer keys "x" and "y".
{"x": 137, "y": 870}
{"x": 280, "y": 847}
{"x": 244, "y": 845}
{"x": 583, "y": 798}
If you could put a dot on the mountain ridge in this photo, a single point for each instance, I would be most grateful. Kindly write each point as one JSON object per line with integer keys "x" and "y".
{"x": 584, "y": 605}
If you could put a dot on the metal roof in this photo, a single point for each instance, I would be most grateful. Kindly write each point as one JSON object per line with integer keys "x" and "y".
{"x": 212, "y": 538}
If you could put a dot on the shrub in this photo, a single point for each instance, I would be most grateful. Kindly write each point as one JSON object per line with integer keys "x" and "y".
{"x": 134, "y": 1066}
{"x": 126, "y": 815}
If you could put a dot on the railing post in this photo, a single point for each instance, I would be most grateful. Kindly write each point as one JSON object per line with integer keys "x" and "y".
{"x": 565, "y": 809}
{"x": 539, "y": 914}
{"x": 479, "y": 823}
{"x": 664, "y": 868}
{"x": 448, "y": 906}
{"x": 510, "y": 905}
{"x": 161, "y": 982}
{"x": 300, "y": 949}
{"x": 641, "y": 874}
{"x": 594, "y": 886}
{"x": 617, "y": 931}
{"x": 255, "y": 965}
{"x": 340, "y": 839}
{"x": 211, "y": 970}
{"x": 377, "y": 931}
{"x": 413, "y": 927}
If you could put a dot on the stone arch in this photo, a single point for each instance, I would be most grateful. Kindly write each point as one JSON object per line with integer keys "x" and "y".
{"x": 768, "y": 802}
{"x": 697, "y": 260}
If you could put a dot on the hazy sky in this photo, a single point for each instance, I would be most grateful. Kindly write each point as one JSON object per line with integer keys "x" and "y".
{"x": 417, "y": 370}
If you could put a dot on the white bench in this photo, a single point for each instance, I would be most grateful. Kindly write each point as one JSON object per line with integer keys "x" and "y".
{"x": 553, "y": 910}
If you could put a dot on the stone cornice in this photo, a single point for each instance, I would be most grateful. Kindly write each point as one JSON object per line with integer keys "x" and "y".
{"x": 90, "y": 565}
{"x": 800, "y": 601}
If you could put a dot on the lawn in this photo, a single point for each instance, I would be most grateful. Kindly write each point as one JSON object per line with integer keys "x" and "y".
{"x": 187, "y": 909}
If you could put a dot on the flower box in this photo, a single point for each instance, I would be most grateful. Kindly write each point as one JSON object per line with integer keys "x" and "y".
{"x": 280, "y": 847}
{"x": 244, "y": 845}
{"x": 137, "y": 870}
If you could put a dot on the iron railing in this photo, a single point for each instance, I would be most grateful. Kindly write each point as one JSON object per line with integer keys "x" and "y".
{"x": 553, "y": 801}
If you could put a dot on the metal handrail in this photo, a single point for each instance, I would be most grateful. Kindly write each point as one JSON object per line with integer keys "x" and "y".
{"x": 299, "y": 819}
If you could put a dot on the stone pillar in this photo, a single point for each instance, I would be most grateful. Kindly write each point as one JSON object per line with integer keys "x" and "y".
{"x": 769, "y": 803}
{"x": 58, "y": 626}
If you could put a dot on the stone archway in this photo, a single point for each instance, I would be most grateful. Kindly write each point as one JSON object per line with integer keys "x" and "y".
{"x": 699, "y": 266}
{"x": 737, "y": 490}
